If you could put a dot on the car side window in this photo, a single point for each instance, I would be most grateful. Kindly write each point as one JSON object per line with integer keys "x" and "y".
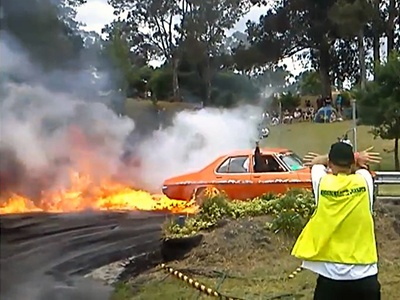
{"x": 267, "y": 164}
{"x": 235, "y": 165}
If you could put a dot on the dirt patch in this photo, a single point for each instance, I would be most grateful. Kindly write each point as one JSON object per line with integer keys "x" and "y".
{"x": 245, "y": 260}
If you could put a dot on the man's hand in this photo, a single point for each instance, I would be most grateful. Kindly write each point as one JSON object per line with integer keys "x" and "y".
{"x": 367, "y": 157}
{"x": 362, "y": 158}
{"x": 312, "y": 158}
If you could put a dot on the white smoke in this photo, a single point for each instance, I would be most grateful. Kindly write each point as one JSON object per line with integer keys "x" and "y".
{"x": 37, "y": 126}
{"x": 195, "y": 139}
{"x": 47, "y": 133}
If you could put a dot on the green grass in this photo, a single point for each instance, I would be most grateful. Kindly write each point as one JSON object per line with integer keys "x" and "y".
{"x": 304, "y": 137}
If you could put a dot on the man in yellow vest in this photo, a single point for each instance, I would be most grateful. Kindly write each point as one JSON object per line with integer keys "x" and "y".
{"x": 338, "y": 243}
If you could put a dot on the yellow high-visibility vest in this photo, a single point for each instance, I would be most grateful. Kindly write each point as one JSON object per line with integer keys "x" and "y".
{"x": 341, "y": 229}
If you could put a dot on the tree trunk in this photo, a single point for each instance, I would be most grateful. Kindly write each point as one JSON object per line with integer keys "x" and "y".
{"x": 396, "y": 154}
{"x": 175, "y": 79}
{"x": 376, "y": 46}
{"x": 390, "y": 26}
{"x": 376, "y": 33}
{"x": 324, "y": 65}
{"x": 208, "y": 82}
{"x": 361, "y": 50}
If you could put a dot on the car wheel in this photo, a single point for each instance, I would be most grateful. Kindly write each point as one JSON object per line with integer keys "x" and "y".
{"x": 203, "y": 193}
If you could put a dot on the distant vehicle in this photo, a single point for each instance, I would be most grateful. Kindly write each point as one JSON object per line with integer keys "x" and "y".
{"x": 234, "y": 174}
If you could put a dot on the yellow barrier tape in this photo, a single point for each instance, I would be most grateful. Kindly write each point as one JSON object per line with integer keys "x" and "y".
{"x": 295, "y": 272}
{"x": 197, "y": 285}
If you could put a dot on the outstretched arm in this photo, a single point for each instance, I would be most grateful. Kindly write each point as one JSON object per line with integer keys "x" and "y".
{"x": 311, "y": 159}
{"x": 362, "y": 159}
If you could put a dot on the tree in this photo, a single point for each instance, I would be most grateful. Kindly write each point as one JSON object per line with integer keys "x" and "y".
{"x": 288, "y": 101}
{"x": 274, "y": 79}
{"x": 230, "y": 89}
{"x": 43, "y": 29}
{"x": 309, "y": 83}
{"x": 393, "y": 14}
{"x": 204, "y": 30}
{"x": 379, "y": 106}
{"x": 351, "y": 19}
{"x": 322, "y": 32}
{"x": 128, "y": 53}
{"x": 158, "y": 16}
{"x": 118, "y": 51}
{"x": 294, "y": 26}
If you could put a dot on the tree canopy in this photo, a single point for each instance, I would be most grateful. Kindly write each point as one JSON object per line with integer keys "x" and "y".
{"x": 39, "y": 24}
{"x": 380, "y": 103}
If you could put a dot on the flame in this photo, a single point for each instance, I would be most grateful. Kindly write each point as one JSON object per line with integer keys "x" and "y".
{"x": 83, "y": 194}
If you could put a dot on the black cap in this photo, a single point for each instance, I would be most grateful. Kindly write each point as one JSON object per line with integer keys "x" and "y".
{"x": 341, "y": 154}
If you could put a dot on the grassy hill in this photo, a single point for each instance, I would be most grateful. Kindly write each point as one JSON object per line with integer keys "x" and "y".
{"x": 306, "y": 136}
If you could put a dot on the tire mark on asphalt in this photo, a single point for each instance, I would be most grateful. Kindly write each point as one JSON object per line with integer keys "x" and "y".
{"x": 41, "y": 253}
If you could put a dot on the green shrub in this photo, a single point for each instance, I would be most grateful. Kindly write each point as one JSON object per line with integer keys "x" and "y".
{"x": 215, "y": 208}
{"x": 252, "y": 208}
{"x": 290, "y": 213}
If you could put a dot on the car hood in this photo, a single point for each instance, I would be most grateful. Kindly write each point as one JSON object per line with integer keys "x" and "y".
{"x": 304, "y": 172}
{"x": 182, "y": 178}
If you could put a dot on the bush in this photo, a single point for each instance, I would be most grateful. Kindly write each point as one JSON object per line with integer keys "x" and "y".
{"x": 290, "y": 213}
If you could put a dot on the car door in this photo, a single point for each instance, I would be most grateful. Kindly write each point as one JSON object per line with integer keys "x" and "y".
{"x": 233, "y": 176}
{"x": 275, "y": 180}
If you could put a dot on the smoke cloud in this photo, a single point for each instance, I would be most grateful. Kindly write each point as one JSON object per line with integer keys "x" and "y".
{"x": 47, "y": 132}
{"x": 196, "y": 138}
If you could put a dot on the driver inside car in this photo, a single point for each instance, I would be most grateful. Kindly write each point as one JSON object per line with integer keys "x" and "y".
{"x": 262, "y": 163}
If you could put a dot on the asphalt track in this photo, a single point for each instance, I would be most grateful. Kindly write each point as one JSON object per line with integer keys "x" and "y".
{"x": 43, "y": 256}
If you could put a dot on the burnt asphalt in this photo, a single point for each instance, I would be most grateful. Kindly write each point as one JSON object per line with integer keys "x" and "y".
{"x": 43, "y": 256}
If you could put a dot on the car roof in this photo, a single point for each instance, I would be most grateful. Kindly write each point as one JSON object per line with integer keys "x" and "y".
{"x": 251, "y": 151}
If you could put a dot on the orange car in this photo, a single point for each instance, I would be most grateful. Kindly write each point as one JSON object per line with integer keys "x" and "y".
{"x": 235, "y": 175}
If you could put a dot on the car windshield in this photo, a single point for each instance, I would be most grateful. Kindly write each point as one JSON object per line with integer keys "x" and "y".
{"x": 292, "y": 160}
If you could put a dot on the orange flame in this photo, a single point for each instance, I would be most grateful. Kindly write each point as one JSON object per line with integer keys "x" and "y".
{"x": 83, "y": 194}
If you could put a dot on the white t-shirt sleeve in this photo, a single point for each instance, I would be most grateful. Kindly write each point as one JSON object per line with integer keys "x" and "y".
{"x": 370, "y": 184}
{"x": 317, "y": 172}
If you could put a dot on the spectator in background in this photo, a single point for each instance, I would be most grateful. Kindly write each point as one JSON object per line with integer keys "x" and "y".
{"x": 309, "y": 114}
{"x": 298, "y": 113}
{"x": 287, "y": 117}
{"x": 339, "y": 103}
{"x": 328, "y": 101}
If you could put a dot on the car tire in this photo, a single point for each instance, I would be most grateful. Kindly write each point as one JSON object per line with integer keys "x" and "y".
{"x": 200, "y": 194}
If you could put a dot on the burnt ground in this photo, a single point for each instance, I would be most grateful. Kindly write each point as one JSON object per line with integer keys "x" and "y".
{"x": 43, "y": 256}
{"x": 245, "y": 260}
